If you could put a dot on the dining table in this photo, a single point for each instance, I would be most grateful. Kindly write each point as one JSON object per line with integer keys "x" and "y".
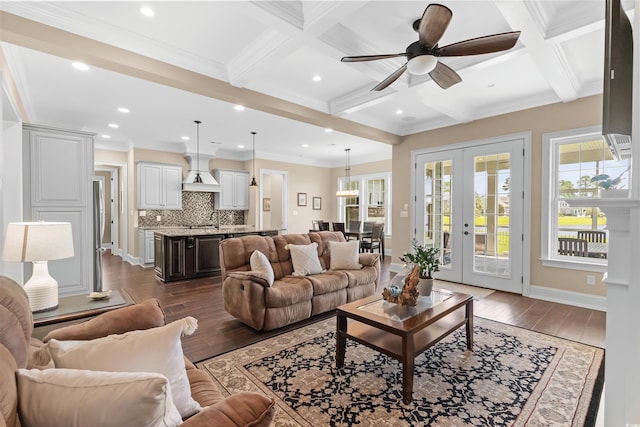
{"x": 358, "y": 235}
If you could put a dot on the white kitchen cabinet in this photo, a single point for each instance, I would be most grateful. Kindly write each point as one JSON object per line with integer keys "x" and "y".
{"x": 234, "y": 189}
{"x": 58, "y": 171}
{"x": 159, "y": 186}
{"x": 146, "y": 246}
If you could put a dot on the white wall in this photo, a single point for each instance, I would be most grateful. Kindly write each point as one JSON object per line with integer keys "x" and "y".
{"x": 10, "y": 177}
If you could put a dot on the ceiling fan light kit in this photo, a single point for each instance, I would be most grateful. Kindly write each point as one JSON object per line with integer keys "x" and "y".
{"x": 422, "y": 55}
{"x": 422, "y": 64}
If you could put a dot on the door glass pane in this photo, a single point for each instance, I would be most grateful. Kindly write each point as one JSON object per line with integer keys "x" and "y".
{"x": 437, "y": 209}
{"x": 491, "y": 230}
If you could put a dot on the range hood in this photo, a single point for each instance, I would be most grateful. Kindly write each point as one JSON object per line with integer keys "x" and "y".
{"x": 208, "y": 184}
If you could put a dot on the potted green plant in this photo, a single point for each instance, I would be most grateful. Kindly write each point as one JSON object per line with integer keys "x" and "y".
{"x": 427, "y": 259}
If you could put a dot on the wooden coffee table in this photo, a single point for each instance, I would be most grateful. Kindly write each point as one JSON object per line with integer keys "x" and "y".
{"x": 403, "y": 332}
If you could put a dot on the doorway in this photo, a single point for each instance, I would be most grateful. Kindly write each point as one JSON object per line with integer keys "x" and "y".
{"x": 273, "y": 200}
{"x": 470, "y": 204}
{"x": 115, "y": 183}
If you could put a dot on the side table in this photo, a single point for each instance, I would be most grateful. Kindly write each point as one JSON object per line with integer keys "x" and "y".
{"x": 75, "y": 309}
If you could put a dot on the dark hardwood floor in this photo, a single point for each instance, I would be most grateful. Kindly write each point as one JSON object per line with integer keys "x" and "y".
{"x": 218, "y": 332}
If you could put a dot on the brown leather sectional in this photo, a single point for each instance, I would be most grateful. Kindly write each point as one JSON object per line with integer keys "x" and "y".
{"x": 250, "y": 299}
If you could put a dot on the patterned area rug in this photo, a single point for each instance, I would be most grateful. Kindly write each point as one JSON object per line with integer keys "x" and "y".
{"x": 514, "y": 377}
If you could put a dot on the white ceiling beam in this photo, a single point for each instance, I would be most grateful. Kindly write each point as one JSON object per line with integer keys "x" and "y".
{"x": 432, "y": 96}
{"x": 548, "y": 57}
{"x": 289, "y": 29}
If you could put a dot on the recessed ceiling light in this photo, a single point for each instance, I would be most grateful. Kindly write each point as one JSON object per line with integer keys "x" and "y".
{"x": 184, "y": 138}
{"x": 305, "y": 145}
{"x": 113, "y": 125}
{"x": 328, "y": 130}
{"x": 239, "y": 107}
{"x": 123, "y": 110}
{"x": 147, "y": 11}
{"x": 105, "y": 136}
{"x": 240, "y": 146}
{"x": 317, "y": 78}
{"x": 398, "y": 112}
{"x": 80, "y": 66}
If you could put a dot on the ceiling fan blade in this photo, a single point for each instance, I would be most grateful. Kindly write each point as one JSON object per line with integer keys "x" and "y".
{"x": 444, "y": 76}
{"x": 433, "y": 23}
{"x": 371, "y": 57}
{"x": 392, "y": 78}
{"x": 477, "y": 46}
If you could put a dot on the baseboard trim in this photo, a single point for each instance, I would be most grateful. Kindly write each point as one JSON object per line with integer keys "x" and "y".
{"x": 593, "y": 302}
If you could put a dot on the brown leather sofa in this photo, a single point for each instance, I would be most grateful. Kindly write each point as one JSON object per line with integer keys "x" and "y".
{"x": 290, "y": 298}
{"x": 17, "y": 349}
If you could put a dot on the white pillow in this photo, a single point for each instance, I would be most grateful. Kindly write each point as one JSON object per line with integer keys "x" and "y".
{"x": 345, "y": 255}
{"x": 305, "y": 259}
{"x": 156, "y": 350}
{"x": 260, "y": 263}
{"x": 72, "y": 397}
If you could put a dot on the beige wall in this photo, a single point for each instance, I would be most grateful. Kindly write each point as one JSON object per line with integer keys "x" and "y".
{"x": 557, "y": 117}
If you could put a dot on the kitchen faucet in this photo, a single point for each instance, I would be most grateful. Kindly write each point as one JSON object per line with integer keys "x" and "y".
{"x": 217, "y": 218}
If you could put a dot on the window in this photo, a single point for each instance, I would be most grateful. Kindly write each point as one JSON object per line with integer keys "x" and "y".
{"x": 372, "y": 203}
{"x": 580, "y": 166}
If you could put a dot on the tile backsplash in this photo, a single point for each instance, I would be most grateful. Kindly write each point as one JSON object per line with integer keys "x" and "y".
{"x": 197, "y": 209}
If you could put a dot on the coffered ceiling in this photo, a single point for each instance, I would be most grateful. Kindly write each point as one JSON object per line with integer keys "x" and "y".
{"x": 264, "y": 55}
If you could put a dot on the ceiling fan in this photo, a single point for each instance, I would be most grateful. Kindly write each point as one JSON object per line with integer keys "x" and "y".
{"x": 422, "y": 56}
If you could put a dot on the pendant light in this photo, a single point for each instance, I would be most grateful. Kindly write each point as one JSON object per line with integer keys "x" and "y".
{"x": 347, "y": 192}
{"x": 253, "y": 180}
{"x": 198, "y": 178}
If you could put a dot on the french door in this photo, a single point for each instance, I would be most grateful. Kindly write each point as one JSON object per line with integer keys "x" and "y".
{"x": 469, "y": 204}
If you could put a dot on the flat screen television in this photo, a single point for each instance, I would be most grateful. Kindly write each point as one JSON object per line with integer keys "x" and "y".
{"x": 618, "y": 81}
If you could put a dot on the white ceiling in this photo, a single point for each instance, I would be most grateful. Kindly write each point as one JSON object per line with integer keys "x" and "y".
{"x": 276, "y": 47}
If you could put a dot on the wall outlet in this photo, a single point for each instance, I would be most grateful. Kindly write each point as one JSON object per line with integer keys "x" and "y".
{"x": 404, "y": 214}
{"x": 158, "y": 218}
{"x": 591, "y": 279}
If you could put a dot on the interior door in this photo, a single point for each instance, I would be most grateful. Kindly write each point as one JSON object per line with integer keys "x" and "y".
{"x": 470, "y": 205}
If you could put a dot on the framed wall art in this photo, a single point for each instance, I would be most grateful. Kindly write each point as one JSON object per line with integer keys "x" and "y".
{"x": 302, "y": 199}
{"x": 316, "y": 203}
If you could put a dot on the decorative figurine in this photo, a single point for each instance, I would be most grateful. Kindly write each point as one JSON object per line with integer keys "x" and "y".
{"x": 408, "y": 295}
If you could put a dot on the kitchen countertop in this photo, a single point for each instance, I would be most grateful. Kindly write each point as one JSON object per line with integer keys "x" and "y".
{"x": 186, "y": 231}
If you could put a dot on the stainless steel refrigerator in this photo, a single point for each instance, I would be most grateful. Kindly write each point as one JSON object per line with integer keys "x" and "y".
{"x": 98, "y": 232}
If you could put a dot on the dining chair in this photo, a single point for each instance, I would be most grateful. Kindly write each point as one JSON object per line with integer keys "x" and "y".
{"x": 316, "y": 224}
{"x": 324, "y": 226}
{"x": 339, "y": 226}
{"x": 354, "y": 227}
{"x": 367, "y": 226}
{"x": 572, "y": 247}
{"x": 375, "y": 241}
{"x": 593, "y": 235}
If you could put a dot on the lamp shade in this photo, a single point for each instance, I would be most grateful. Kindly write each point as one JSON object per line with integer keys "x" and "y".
{"x": 38, "y": 241}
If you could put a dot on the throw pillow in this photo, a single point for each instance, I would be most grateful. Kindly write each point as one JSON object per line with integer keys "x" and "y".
{"x": 305, "y": 259}
{"x": 260, "y": 264}
{"x": 71, "y": 397}
{"x": 156, "y": 350}
{"x": 345, "y": 255}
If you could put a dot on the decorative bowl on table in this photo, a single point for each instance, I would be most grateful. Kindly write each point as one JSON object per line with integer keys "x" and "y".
{"x": 98, "y": 296}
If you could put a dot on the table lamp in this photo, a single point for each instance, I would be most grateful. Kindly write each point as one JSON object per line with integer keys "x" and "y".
{"x": 39, "y": 242}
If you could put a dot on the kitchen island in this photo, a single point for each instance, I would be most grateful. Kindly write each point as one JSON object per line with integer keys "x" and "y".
{"x": 186, "y": 253}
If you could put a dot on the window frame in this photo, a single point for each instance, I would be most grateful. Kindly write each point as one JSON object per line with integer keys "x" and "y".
{"x": 551, "y": 160}
{"x": 363, "y": 203}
